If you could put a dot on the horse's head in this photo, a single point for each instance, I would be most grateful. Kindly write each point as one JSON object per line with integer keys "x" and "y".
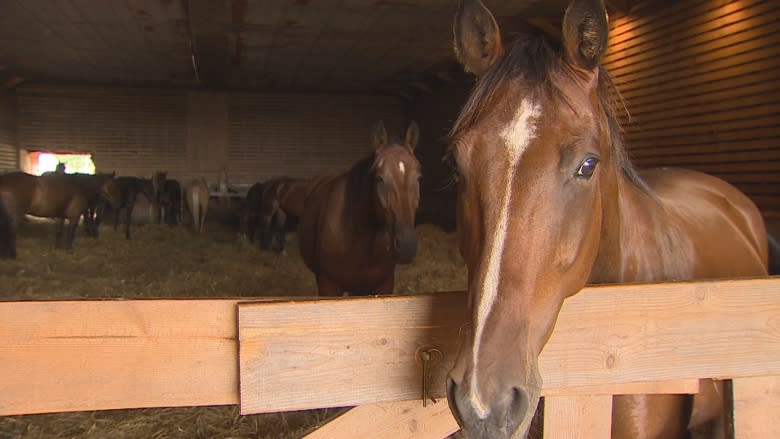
{"x": 532, "y": 151}
{"x": 108, "y": 189}
{"x": 397, "y": 188}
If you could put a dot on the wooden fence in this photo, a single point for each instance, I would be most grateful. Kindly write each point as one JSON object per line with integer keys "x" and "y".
{"x": 278, "y": 355}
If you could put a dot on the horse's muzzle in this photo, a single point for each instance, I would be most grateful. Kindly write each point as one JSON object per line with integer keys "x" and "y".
{"x": 405, "y": 247}
{"x": 501, "y": 420}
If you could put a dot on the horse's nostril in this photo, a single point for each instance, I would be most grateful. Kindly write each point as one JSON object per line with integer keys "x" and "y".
{"x": 518, "y": 408}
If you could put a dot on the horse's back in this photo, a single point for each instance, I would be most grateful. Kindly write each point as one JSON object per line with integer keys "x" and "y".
{"x": 293, "y": 196}
{"x": 723, "y": 227}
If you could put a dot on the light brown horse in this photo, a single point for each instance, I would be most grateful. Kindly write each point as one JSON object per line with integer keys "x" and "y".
{"x": 59, "y": 196}
{"x": 282, "y": 197}
{"x": 548, "y": 201}
{"x": 196, "y": 199}
{"x": 357, "y": 225}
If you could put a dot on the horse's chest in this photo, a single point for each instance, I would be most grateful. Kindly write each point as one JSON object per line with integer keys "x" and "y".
{"x": 367, "y": 257}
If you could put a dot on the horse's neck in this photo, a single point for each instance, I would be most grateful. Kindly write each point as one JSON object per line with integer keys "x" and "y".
{"x": 360, "y": 221}
{"x": 639, "y": 240}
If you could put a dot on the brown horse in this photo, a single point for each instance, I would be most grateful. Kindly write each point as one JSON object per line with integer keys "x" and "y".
{"x": 548, "y": 201}
{"x": 357, "y": 225}
{"x": 59, "y": 196}
{"x": 196, "y": 198}
{"x": 282, "y": 197}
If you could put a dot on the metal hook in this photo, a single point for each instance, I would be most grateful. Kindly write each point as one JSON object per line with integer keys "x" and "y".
{"x": 428, "y": 357}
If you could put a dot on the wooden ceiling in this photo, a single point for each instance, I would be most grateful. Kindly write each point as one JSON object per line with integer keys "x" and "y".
{"x": 399, "y": 47}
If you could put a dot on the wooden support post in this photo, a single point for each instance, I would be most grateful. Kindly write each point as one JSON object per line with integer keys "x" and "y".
{"x": 578, "y": 417}
{"x": 757, "y": 407}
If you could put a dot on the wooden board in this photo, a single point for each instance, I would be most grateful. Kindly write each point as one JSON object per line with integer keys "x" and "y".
{"x": 392, "y": 420}
{"x": 87, "y": 355}
{"x": 757, "y": 407}
{"x": 309, "y": 354}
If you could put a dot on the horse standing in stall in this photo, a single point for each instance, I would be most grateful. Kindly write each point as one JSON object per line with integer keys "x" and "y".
{"x": 282, "y": 198}
{"x": 251, "y": 209}
{"x": 196, "y": 197}
{"x": 168, "y": 196}
{"x": 548, "y": 201}
{"x": 357, "y": 225}
{"x": 9, "y": 222}
{"x": 129, "y": 188}
{"x": 60, "y": 196}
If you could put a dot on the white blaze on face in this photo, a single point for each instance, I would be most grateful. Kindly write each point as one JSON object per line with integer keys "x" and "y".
{"x": 516, "y": 137}
{"x": 402, "y": 167}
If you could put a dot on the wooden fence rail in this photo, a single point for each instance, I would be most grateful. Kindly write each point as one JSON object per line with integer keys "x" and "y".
{"x": 282, "y": 355}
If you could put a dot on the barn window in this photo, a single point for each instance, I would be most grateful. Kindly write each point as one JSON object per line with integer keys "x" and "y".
{"x": 41, "y": 162}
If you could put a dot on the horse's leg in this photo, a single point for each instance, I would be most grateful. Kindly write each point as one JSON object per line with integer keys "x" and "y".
{"x": 58, "y": 232}
{"x": 650, "y": 416}
{"x": 388, "y": 285}
{"x": 281, "y": 223}
{"x": 129, "y": 214}
{"x": 327, "y": 287}
{"x": 266, "y": 235}
{"x": 12, "y": 243}
{"x": 73, "y": 223}
{"x": 709, "y": 408}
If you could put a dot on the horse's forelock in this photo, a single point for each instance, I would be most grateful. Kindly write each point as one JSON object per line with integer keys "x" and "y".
{"x": 538, "y": 61}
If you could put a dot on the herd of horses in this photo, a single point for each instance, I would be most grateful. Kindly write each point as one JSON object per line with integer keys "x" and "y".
{"x": 76, "y": 198}
{"x": 547, "y": 202}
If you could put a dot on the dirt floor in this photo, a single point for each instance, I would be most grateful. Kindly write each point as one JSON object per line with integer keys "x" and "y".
{"x": 160, "y": 261}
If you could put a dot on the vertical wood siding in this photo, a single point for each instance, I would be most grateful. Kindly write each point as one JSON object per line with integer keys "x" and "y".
{"x": 304, "y": 135}
{"x": 254, "y": 136}
{"x": 701, "y": 80}
{"x": 8, "y": 150}
{"x": 130, "y": 131}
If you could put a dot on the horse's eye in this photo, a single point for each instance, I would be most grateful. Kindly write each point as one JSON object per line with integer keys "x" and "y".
{"x": 587, "y": 168}
{"x": 380, "y": 180}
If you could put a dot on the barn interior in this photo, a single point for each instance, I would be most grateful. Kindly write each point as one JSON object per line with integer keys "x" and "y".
{"x": 261, "y": 89}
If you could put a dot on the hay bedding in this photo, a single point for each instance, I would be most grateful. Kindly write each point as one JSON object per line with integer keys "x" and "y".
{"x": 172, "y": 262}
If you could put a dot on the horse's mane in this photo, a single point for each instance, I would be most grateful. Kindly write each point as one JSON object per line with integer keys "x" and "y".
{"x": 537, "y": 60}
{"x": 359, "y": 184}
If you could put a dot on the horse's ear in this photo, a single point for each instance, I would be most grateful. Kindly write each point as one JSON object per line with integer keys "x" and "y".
{"x": 378, "y": 136}
{"x": 412, "y": 135}
{"x": 585, "y": 31}
{"x": 477, "y": 37}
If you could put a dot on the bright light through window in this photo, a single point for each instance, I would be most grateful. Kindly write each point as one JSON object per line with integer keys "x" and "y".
{"x": 74, "y": 163}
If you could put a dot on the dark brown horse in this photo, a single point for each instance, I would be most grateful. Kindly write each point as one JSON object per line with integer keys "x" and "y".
{"x": 250, "y": 211}
{"x": 9, "y": 221}
{"x": 168, "y": 196}
{"x": 129, "y": 188}
{"x": 548, "y": 201}
{"x": 282, "y": 198}
{"x": 59, "y": 196}
{"x": 357, "y": 225}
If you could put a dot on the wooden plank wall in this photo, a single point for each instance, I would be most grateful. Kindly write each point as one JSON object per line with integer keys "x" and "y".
{"x": 254, "y": 136}
{"x": 701, "y": 80}
{"x": 9, "y": 155}
{"x": 304, "y": 135}
{"x": 130, "y": 131}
